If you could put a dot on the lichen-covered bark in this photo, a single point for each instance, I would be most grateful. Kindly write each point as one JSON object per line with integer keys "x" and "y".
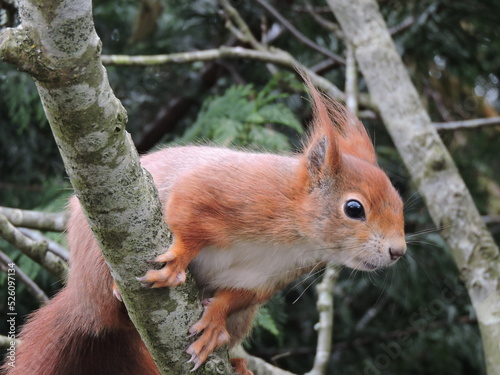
{"x": 58, "y": 46}
{"x": 431, "y": 167}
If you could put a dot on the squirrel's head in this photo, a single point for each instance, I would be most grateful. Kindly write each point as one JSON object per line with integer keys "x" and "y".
{"x": 349, "y": 205}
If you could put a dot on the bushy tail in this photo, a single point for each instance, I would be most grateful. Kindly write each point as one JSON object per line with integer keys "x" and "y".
{"x": 83, "y": 330}
{"x": 59, "y": 340}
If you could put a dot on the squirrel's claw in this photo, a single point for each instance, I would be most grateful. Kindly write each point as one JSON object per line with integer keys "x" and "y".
{"x": 162, "y": 278}
{"x": 116, "y": 293}
{"x": 194, "y": 360}
{"x": 171, "y": 274}
{"x": 212, "y": 336}
{"x": 144, "y": 283}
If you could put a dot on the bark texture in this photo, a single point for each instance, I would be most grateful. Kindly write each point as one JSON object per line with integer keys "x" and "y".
{"x": 58, "y": 46}
{"x": 431, "y": 166}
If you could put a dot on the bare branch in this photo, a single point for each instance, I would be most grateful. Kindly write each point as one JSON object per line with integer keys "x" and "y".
{"x": 467, "y": 124}
{"x": 351, "y": 81}
{"x": 317, "y": 9}
{"x": 274, "y": 56}
{"x": 192, "y": 56}
{"x": 406, "y": 23}
{"x": 372, "y": 312}
{"x": 438, "y": 100}
{"x": 258, "y": 365}
{"x": 410, "y": 20}
{"x": 272, "y": 33}
{"x": 325, "y": 324}
{"x": 243, "y": 32}
{"x": 32, "y": 287}
{"x": 491, "y": 219}
{"x": 38, "y": 251}
{"x": 53, "y": 246}
{"x": 47, "y": 221}
{"x": 333, "y": 27}
{"x": 301, "y": 37}
{"x": 323, "y": 66}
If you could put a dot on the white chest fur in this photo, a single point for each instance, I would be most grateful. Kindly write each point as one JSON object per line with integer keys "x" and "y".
{"x": 251, "y": 265}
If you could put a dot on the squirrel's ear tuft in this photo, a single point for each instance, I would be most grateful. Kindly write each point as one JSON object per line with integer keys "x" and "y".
{"x": 355, "y": 140}
{"x": 321, "y": 151}
{"x": 330, "y": 116}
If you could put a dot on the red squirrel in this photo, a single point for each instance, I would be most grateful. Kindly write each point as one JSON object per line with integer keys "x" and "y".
{"x": 246, "y": 223}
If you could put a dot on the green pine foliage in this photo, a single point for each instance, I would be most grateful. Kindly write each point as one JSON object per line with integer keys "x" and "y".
{"x": 244, "y": 117}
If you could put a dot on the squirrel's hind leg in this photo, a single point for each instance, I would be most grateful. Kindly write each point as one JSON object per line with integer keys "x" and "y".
{"x": 212, "y": 325}
{"x": 239, "y": 326}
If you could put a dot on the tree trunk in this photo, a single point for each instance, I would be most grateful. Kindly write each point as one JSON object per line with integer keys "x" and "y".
{"x": 431, "y": 167}
{"x": 58, "y": 46}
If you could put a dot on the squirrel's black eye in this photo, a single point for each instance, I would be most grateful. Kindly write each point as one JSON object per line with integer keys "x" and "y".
{"x": 354, "y": 210}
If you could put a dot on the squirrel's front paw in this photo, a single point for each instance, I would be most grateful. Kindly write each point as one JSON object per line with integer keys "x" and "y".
{"x": 173, "y": 272}
{"x": 212, "y": 337}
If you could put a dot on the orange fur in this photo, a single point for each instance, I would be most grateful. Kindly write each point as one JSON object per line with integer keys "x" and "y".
{"x": 247, "y": 223}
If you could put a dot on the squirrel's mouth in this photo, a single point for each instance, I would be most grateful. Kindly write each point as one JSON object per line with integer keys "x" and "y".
{"x": 369, "y": 266}
{"x": 362, "y": 265}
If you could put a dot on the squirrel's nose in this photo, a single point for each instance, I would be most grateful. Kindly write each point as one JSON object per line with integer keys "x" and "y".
{"x": 396, "y": 252}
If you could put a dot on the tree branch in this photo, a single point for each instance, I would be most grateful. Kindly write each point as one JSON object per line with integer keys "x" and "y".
{"x": 52, "y": 246}
{"x": 243, "y": 32}
{"x": 351, "y": 81}
{"x": 331, "y": 26}
{"x": 491, "y": 219}
{"x": 280, "y": 57}
{"x": 467, "y": 124}
{"x": 46, "y": 221}
{"x": 372, "y": 312}
{"x": 274, "y": 56}
{"x": 32, "y": 287}
{"x": 325, "y": 325}
{"x": 36, "y": 250}
{"x": 301, "y": 37}
{"x": 257, "y": 365}
{"x": 410, "y": 20}
{"x": 406, "y": 23}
